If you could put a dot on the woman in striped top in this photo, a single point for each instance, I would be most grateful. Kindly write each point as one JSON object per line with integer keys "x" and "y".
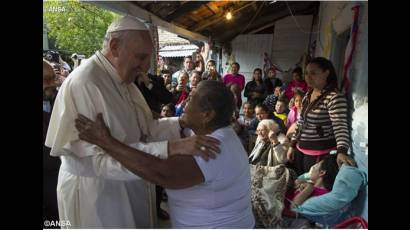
{"x": 323, "y": 124}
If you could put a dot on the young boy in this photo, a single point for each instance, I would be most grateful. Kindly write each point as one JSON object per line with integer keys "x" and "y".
{"x": 280, "y": 109}
{"x": 270, "y": 100}
{"x": 166, "y": 75}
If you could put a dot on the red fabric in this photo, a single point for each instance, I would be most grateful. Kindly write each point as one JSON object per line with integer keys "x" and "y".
{"x": 289, "y": 92}
{"x": 354, "y": 220}
{"x": 182, "y": 97}
{"x": 311, "y": 152}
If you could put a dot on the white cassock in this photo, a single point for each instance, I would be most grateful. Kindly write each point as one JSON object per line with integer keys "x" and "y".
{"x": 94, "y": 190}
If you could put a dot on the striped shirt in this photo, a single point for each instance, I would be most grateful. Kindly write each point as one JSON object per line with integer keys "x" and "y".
{"x": 325, "y": 126}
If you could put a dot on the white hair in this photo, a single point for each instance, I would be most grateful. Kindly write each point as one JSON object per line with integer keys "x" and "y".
{"x": 270, "y": 124}
{"x": 122, "y": 36}
{"x": 181, "y": 73}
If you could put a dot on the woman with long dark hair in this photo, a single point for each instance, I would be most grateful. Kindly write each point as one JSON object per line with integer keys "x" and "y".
{"x": 323, "y": 125}
{"x": 255, "y": 90}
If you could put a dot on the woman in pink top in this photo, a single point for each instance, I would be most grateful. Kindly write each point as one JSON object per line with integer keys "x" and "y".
{"x": 296, "y": 84}
{"x": 237, "y": 79}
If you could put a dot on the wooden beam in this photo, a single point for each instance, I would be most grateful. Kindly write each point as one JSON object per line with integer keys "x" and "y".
{"x": 212, "y": 8}
{"x": 132, "y": 9}
{"x": 217, "y": 18}
{"x": 255, "y": 7}
{"x": 262, "y": 28}
{"x": 185, "y": 9}
{"x": 164, "y": 6}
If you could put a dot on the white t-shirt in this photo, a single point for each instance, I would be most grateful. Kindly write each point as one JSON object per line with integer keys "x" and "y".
{"x": 224, "y": 199}
{"x": 244, "y": 121}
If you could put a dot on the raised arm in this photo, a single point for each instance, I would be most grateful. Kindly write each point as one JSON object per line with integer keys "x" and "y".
{"x": 176, "y": 172}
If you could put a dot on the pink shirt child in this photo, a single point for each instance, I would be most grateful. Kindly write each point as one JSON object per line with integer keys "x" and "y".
{"x": 292, "y": 116}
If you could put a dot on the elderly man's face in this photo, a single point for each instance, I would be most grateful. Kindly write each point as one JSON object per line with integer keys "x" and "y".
{"x": 135, "y": 56}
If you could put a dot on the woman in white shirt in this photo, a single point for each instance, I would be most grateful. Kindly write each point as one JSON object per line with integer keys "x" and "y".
{"x": 201, "y": 193}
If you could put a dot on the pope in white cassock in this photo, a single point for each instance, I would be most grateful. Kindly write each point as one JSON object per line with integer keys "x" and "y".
{"x": 94, "y": 190}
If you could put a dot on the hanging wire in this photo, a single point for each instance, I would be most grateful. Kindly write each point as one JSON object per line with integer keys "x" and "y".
{"x": 256, "y": 14}
{"x": 296, "y": 22}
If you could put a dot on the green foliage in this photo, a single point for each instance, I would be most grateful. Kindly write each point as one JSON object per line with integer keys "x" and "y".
{"x": 77, "y": 27}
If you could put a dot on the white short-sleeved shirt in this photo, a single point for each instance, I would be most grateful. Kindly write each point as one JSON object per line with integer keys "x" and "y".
{"x": 224, "y": 199}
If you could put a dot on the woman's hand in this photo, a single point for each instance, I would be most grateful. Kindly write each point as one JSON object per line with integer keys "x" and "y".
{"x": 93, "y": 132}
{"x": 273, "y": 138}
{"x": 304, "y": 185}
{"x": 344, "y": 158}
{"x": 299, "y": 187}
{"x": 180, "y": 88}
{"x": 291, "y": 154}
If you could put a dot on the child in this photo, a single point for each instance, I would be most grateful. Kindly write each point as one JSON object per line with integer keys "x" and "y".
{"x": 270, "y": 100}
{"x": 168, "y": 110}
{"x": 296, "y": 84}
{"x": 244, "y": 122}
{"x": 248, "y": 114}
{"x": 280, "y": 109}
{"x": 262, "y": 112}
{"x": 295, "y": 109}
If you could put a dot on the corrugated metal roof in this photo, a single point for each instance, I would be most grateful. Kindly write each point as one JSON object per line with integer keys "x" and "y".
{"x": 167, "y": 38}
{"x": 177, "y": 50}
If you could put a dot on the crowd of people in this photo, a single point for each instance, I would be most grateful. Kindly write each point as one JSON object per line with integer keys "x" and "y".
{"x": 187, "y": 131}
